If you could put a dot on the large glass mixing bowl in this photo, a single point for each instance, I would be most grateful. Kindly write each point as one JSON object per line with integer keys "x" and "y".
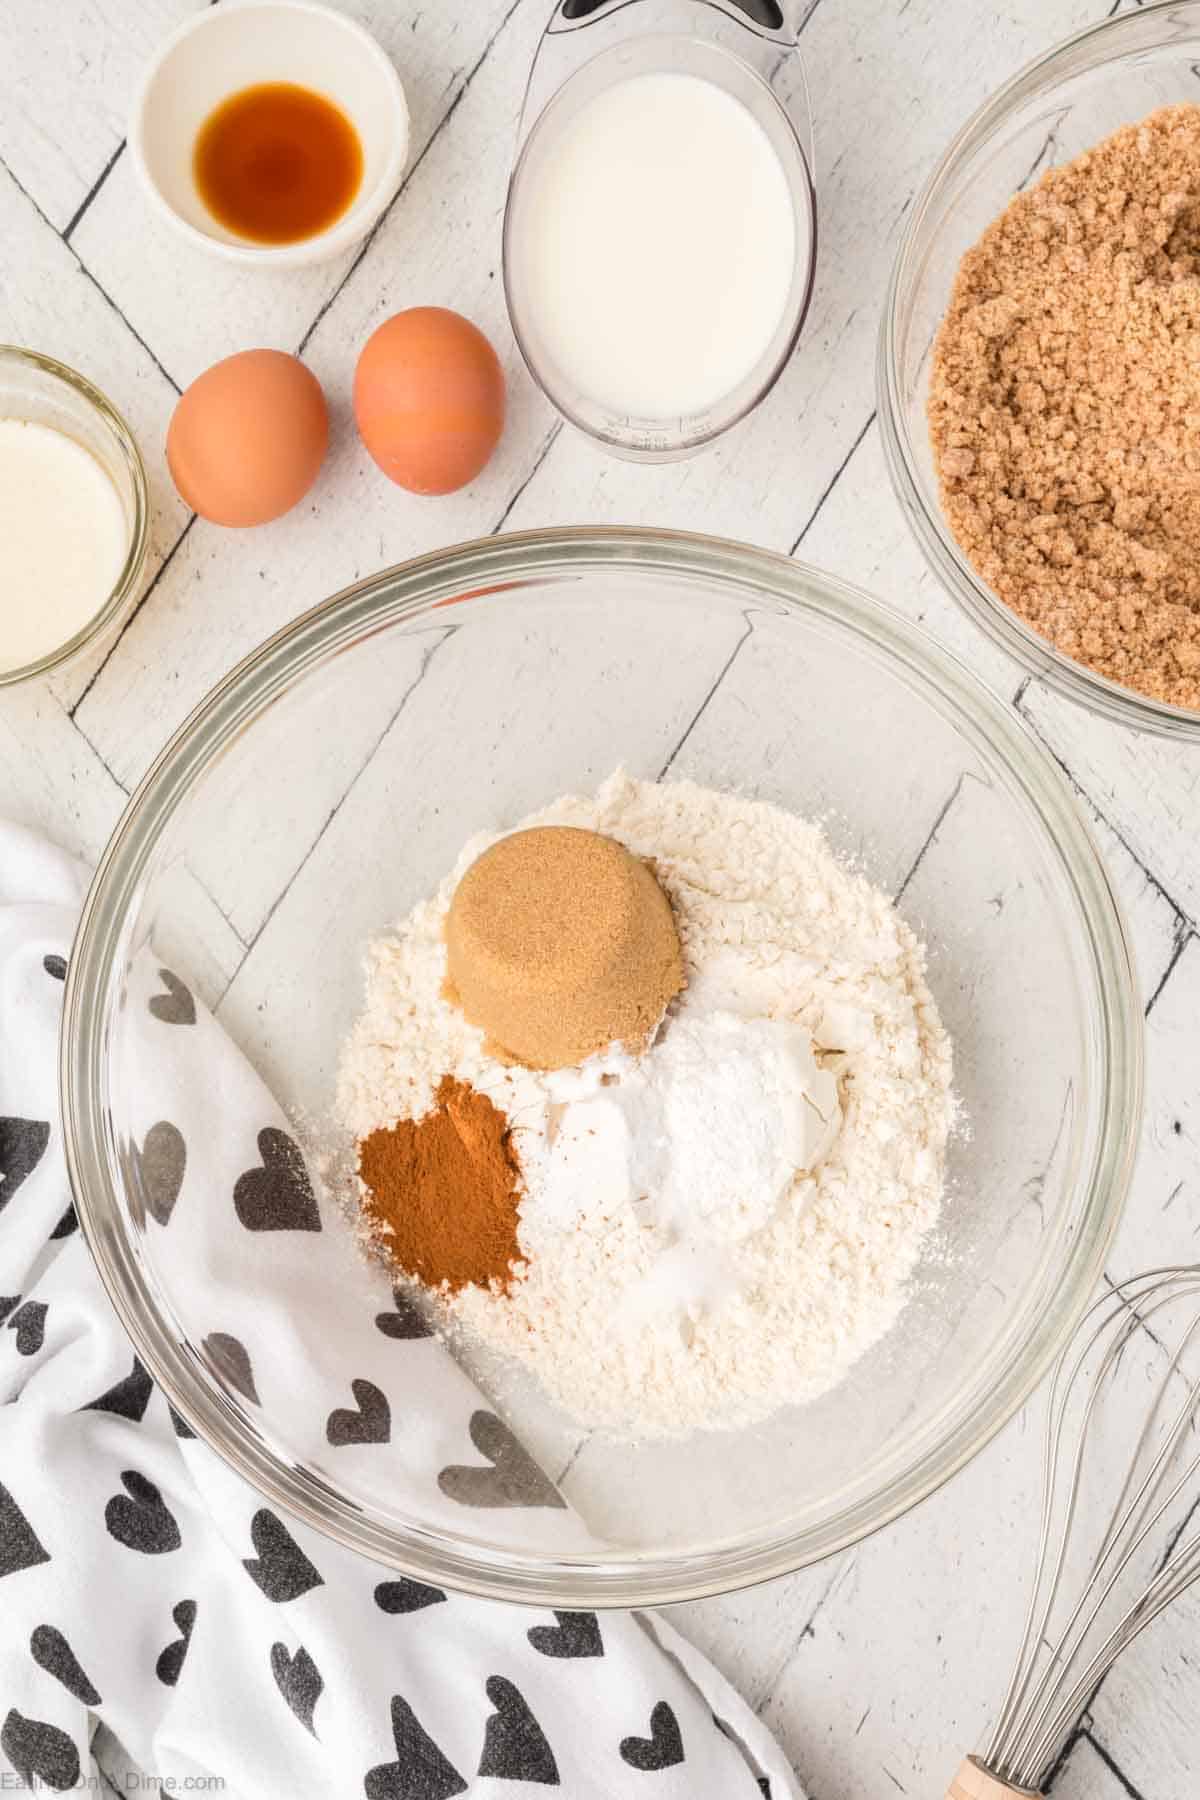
{"x": 1110, "y": 75}
{"x": 477, "y": 684}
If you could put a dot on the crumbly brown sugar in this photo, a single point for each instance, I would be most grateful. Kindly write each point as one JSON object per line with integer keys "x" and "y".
{"x": 559, "y": 943}
{"x": 1064, "y": 406}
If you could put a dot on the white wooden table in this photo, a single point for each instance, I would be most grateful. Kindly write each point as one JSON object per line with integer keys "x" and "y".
{"x": 879, "y": 1668}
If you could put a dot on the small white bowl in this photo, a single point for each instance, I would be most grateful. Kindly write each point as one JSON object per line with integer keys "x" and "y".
{"x": 236, "y": 46}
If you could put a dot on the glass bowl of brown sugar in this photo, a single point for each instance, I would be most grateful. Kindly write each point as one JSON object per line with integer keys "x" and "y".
{"x": 321, "y": 792}
{"x": 1091, "y": 589}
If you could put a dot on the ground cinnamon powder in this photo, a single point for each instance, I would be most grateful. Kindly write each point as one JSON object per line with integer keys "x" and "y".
{"x": 1064, "y": 406}
{"x": 442, "y": 1191}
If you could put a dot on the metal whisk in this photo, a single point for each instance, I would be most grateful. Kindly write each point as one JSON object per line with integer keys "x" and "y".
{"x": 1123, "y": 1408}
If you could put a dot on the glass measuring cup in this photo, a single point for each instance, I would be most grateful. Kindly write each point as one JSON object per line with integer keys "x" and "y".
{"x": 748, "y": 49}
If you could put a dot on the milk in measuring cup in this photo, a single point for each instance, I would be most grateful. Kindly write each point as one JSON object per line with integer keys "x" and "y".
{"x": 652, "y": 245}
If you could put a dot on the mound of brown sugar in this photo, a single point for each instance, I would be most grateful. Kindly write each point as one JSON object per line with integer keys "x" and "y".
{"x": 1064, "y": 406}
{"x": 559, "y": 942}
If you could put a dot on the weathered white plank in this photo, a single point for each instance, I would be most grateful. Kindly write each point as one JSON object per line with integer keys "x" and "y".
{"x": 1147, "y": 788}
{"x": 1162, "y": 1224}
{"x": 752, "y": 1635}
{"x": 900, "y": 1671}
{"x": 68, "y": 72}
{"x": 1153, "y": 924}
{"x": 860, "y": 535}
{"x": 1088, "y": 1776}
{"x": 50, "y": 777}
{"x": 266, "y": 799}
{"x": 1147, "y": 1715}
{"x": 905, "y": 1665}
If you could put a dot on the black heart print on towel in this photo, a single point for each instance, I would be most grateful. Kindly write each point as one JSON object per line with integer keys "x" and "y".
{"x": 159, "y": 1168}
{"x": 420, "y": 1771}
{"x": 127, "y": 1398}
{"x": 231, "y": 1359}
{"x": 176, "y": 1006}
{"x": 279, "y": 1196}
{"x": 29, "y": 1323}
{"x": 51, "y": 1651}
{"x": 180, "y": 1425}
{"x": 299, "y": 1681}
{"x": 55, "y": 966}
{"x": 406, "y": 1596}
{"x": 40, "y": 1753}
{"x": 514, "y": 1479}
{"x": 514, "y": 1744}
{"x": 140, "y": 1518}
{"x": 170, "y": 1663}
{"x": 662, "y": 1748}
{"x": 22, "y": 1147}
{"x": 19, "y": 1547}
{"x": 281, "y": 1569}
{"x": 371, "y": 1424}
{"x": 576, "y": 1634}
{"x": 407, "y": 1321}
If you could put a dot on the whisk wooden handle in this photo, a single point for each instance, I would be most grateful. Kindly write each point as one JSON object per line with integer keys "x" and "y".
{"x": 974, "y": 1783}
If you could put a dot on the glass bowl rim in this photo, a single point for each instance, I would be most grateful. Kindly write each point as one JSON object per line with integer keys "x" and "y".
{"x": 494, "y": 566}
{"x": 126, "y": 584}
{"x": 754, "y": 388}
{"x": 1039, "y": 657}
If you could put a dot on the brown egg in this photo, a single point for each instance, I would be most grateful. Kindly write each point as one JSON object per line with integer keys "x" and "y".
{"x": 429, "y": 399}
{"x": 247, "y": 439}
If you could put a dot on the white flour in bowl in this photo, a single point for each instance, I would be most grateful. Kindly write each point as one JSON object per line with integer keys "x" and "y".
{"x": 637, "y": 1313}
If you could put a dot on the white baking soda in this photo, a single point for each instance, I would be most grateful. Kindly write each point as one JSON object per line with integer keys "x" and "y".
{"x": 63, "y": 540}
{"x": 652, "y": 245}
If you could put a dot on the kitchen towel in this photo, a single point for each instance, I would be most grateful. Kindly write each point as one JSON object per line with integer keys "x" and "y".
{"x": 145, "y": 1589}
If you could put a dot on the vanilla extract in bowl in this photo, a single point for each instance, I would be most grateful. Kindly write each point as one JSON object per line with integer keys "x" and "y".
{"x": 277, "y": 163}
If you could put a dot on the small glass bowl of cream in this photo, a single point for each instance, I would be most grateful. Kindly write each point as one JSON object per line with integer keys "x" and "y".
{"x": 74, "y": 515}
{"x": 660, "y": 229}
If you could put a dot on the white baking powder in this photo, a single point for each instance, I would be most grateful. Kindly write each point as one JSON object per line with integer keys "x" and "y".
{"x": 700, "y": 1250}
{"x": 720, "y": 1118}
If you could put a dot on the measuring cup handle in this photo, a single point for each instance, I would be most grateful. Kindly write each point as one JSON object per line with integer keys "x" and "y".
{"x": 767, "y": 18}
{"x": 974, "y": 1782}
